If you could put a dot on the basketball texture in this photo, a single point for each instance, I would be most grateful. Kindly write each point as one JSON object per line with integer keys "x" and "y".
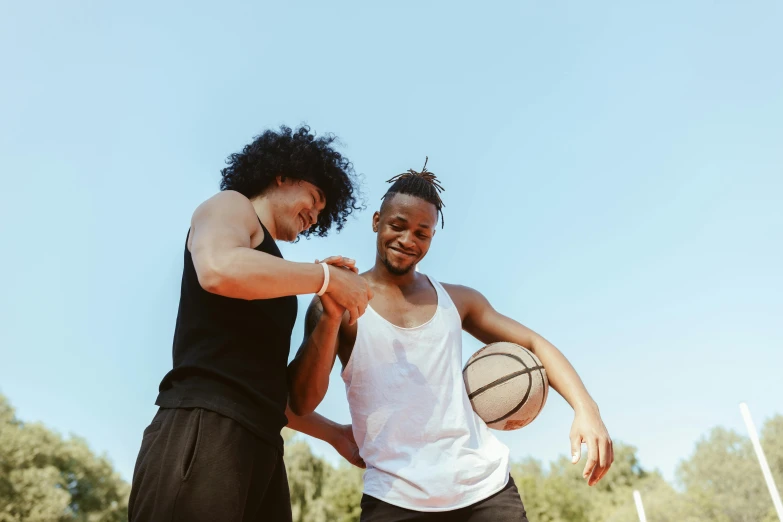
{"x": 506, "y": 384}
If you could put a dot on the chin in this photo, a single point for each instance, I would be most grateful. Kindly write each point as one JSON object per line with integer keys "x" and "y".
{"x": 399, "y": 270}
{"x": 290, "y": 236}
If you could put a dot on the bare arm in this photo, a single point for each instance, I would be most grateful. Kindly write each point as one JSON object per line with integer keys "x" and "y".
{"x": 338, "y": 435}
{"x": 221, "y": 243}
{"x": 226, "y": 263}
{"x": 308, "y": 373}
{"x": 487, "y": 325}
{"x": 312, "y": 424}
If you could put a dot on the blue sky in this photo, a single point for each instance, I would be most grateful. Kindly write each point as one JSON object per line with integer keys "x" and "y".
{"x": 613, "y": 178}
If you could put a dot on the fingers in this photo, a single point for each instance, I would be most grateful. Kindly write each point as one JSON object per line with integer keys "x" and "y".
{"x": 356, "y": 312}
{"x": 343, "y": 262}
{"x": 592, "y": 460}
{"x": 350, "y": 292}
{"x": 576, "y": 448}
{"x": 358, "y": 462}
{"x": 605, "y": 460}
{"x": 354, "y": 315}
{"x": 607, "y": 457}
{"x": 331, "y": 260}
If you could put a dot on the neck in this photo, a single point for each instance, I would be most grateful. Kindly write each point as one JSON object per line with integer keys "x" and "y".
{"x": 381, "y": 274}
{"x": 265, "y": 213}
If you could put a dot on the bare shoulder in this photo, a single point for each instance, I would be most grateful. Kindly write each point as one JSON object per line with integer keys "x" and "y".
{"x": 465, "y": 298}
{"x": 228, "y": 213}
{"x": 461, "y": 293}
{"x": 227, "y": 202}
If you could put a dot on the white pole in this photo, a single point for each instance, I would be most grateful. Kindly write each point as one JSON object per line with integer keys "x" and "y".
{"x": 637, "y": 498}
{"x": 754, "y": 438}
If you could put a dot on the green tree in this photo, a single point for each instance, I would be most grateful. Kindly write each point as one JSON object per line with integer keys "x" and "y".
{"x": 306, "y": 477}
{"x": 723, "y": 482}
{"x": 561, "y": 494}
{"x": 343, "y": 494}
{"x": 320, "y": 492}
{"x": 662, "y": 503}
{"x": 720, "y": 481}
{"x": 616, "y": 488}
{"x": 772, "y": 442}
{"x": 46, "y": 478}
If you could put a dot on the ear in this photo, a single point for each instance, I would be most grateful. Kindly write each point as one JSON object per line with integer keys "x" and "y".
{"x": 279, "y": 180}
{"x": 376, "y": 219}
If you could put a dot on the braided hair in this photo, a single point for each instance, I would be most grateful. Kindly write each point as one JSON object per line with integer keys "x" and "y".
{"x": 422, "y": 185}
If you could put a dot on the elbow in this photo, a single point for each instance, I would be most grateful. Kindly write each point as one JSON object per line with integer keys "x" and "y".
{"x": 305, "y": 390}
{"x": 303, "y": 399}
{"x": 301, "y": 405}
{"x": 213, "y": 279}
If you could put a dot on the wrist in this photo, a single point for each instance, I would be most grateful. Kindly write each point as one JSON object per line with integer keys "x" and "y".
{"x": 585, "y": 406}
{"x": 331, "y": 432}
{"x": 331, "y": 320}
{"x": 313, "y": 273}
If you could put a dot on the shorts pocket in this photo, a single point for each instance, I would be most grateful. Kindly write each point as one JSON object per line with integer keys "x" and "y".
{"x": 152, "y": 428}
{"x": 192, "y": 439}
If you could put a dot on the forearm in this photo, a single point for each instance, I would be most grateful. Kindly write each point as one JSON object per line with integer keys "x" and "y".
{"x": 308, "y": 373}
{"x": 312, "y": 424}
{"x": 489, "y": 326}
{"x": 244, "y": 273}
{"x": 561, "y": 374}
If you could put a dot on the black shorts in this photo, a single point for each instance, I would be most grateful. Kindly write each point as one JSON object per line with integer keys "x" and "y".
{"x": 504, "y": 506}
{"x": 196, "y": 465}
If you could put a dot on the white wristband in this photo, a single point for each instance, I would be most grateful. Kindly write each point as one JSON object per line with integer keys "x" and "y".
{"x": 326, "y": 280}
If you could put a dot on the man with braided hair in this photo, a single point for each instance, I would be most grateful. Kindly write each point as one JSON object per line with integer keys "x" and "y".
{"x": 428, "y": 455}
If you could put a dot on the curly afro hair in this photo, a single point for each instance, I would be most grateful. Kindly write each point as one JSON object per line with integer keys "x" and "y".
{"x": 297, "y": 155}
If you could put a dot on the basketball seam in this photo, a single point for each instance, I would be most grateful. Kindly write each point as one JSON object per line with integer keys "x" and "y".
{"x": 503, "y": 379}
{"x": 521, "y": 403}
{"x": 490, "y": 355}
{"x": 545, "y": 384}
{"x": 489, "y": 346}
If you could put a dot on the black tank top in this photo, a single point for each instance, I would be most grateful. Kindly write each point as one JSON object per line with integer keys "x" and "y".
{"x": 230, "y": 355}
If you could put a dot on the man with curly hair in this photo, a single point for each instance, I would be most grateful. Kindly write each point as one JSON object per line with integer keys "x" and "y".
{"x": 213, "y": 451}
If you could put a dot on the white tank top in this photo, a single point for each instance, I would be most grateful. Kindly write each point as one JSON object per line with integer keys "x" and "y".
{"x": 424, "y": 446}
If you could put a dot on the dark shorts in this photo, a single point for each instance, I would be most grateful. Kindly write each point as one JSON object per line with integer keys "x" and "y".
{"x": 196, "y": 465}
{"x": 504, "y": 506}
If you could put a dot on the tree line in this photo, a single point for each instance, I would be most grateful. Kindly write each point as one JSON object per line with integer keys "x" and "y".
{"x": 45, "y": 477}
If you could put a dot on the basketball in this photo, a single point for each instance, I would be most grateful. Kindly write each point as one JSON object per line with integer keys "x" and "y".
{"x": 506, "y": 384}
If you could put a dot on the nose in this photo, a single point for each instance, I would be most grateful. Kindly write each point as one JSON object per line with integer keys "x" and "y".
{"x": 406, "y": 240}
